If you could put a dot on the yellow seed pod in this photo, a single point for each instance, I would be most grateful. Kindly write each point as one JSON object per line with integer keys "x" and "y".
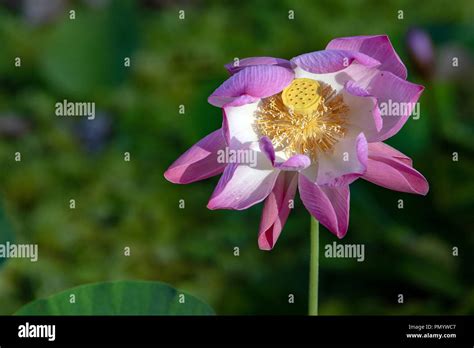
{"x": 302, "y": 95}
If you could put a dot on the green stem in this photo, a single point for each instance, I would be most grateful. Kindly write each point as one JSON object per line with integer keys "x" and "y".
{"x": 314, "y": 268}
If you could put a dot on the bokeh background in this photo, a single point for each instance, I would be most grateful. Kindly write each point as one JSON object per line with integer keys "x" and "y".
{"x": 180, "y": 62}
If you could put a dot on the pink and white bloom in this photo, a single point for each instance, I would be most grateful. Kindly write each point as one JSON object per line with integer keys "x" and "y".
{"x": 316, "y": 123}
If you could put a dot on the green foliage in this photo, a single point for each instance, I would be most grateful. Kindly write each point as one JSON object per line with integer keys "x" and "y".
{"x": 85, "y": 56}
{"x": 6, "y": 231}
{"x": 119, "y": 298}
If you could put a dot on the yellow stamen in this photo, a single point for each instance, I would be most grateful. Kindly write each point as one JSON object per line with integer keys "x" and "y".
{"x": 308, "y": 117}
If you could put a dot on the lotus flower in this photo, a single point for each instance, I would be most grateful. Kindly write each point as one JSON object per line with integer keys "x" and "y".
{"x": 316, "y": 122}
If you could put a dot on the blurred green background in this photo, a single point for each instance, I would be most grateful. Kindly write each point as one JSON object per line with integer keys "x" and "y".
{"x": 180, "y": 62}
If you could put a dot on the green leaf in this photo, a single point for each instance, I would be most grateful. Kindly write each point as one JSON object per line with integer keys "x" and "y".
{"x": 119, "y": 298}
{"x": 6, "y": 231}
{"x": 84, "y": 57}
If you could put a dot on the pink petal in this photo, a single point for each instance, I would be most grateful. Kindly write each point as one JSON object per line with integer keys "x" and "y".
{"x": 276, "y": 210}
{"x": 328, "y": 61}
{"x": 242, "y": 186}
{"x": 266, "y": 147}
{"x": 388, "y": 169}
{"x": 378, "y": 47}
{"x": 391, "y": 91}
{"x": 199, "y": 162}
{"x": 329, "y": 205}
{"x": 240, "y": 101}
{"x": 232, "y": 68}
{"x": 250, "y": 84}
{"x": 385, "y": 150}
{"x": 294, "y": 163}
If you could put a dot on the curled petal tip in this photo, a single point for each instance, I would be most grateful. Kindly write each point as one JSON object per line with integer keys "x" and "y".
{"x": 424, "y": 187}
{"x": 377, "y": 47}
{"x": 170, "y": 177}
{"x": 341, "y": 234}
{"x": 199, "y": 162}
{"x": 329, "y": 205}
{"x": 276, "y": 210}
{"x": 262, "y": 245}
{"x": 210, "y": 205}
{"x": 391, "y": 169}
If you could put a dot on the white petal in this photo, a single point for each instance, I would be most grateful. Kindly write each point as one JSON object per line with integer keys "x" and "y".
{"x": 240, "y": 124}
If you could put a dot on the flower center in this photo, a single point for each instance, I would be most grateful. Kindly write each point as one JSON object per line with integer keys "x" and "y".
{"x": 308, "y": 117}
{"x": 302, "y": 95}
